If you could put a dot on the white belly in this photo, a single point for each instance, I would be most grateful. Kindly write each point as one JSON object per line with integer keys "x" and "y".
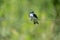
{"x": 31, "y": 15}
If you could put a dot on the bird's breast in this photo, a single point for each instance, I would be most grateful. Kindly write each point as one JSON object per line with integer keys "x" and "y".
{"x": 31, "y": 15}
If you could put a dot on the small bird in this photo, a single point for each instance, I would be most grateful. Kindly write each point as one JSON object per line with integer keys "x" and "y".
{"x": 33, "y": 17}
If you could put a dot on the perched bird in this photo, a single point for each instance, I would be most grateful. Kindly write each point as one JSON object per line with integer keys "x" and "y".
{"x": 33, "y": 17}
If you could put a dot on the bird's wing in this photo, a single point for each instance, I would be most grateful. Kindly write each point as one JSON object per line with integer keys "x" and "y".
{"x": 35, "y": 16}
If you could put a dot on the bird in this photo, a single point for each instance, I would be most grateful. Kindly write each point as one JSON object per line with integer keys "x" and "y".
{"x": 33, "y": 17}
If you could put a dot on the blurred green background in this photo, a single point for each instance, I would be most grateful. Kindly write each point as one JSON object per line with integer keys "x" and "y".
{"x": 16, "y": 25}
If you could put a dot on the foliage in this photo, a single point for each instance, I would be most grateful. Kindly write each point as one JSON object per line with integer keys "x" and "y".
{"x": 15, "y": 23}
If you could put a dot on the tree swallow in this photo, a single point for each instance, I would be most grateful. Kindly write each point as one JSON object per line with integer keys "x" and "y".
{"x": 33, "y": 17}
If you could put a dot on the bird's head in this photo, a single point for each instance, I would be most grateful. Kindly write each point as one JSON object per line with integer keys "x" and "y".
{"x": 32, "y": 12}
